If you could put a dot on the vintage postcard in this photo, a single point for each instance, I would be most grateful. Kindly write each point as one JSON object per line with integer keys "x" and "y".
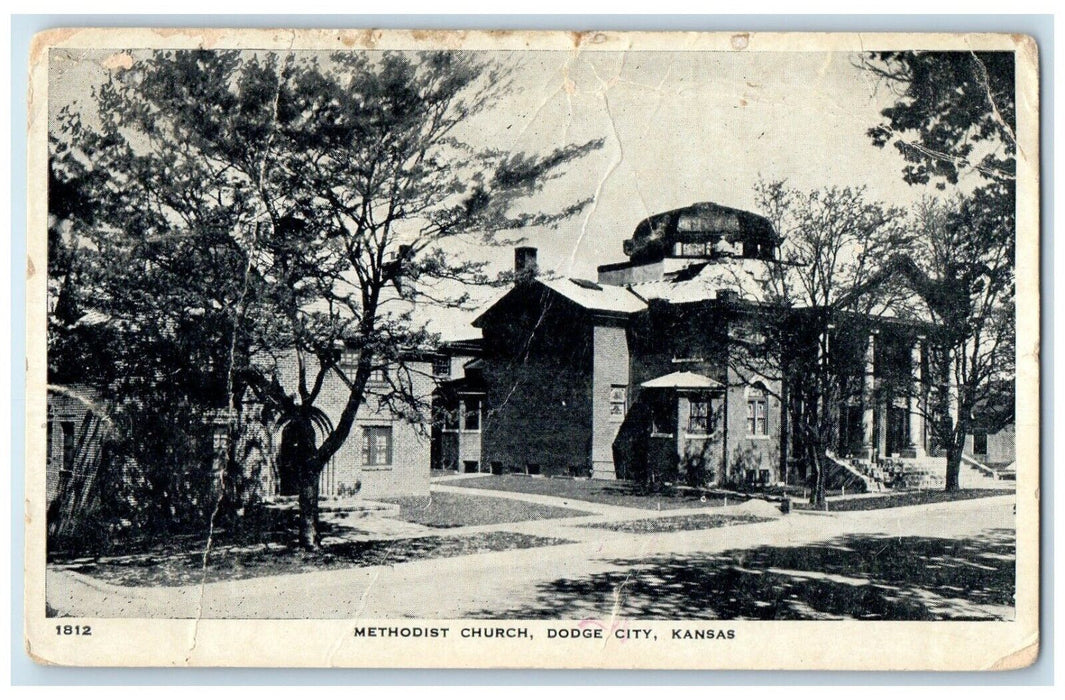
{"x": 548, "y": 350}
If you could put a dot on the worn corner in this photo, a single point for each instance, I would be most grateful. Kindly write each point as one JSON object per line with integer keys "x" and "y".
{"x": 1022, "y": 658}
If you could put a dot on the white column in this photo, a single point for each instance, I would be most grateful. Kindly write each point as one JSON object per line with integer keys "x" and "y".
{"x": 916, "y": 405}
{"x": 868, "y": 397}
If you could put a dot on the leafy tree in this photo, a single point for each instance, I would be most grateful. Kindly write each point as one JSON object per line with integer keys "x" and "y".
{"x": 963, "y": 272}
{"x": 830, "y": 275}
{"x": 296, "y": 208}
{"x": 956, "y": 112}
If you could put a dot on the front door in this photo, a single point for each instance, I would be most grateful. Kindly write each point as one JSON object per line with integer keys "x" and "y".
{"x": 850, "y": 430}
{"x": 897, "y": 429}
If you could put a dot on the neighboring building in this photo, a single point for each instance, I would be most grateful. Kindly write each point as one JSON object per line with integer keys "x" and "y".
{"x": 385, "y": 454}
{"x": 993, "y": 449}
{"x": 634, "y": 373}
{"x": 457, "y": 407}
{"x": 74, "y": 453}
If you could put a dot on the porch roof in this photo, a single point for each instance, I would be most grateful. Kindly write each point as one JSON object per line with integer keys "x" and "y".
{"x": 683, "y": 380}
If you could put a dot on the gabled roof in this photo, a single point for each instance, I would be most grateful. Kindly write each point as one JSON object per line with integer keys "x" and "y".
{"x": 466, "y": 346}
{"x": 596, "y": 297}
{"x": 683, "y": 380}
{"x": 588, "y": 295}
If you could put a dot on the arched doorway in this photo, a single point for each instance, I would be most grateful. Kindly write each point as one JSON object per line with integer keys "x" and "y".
{"x": 295, "y": 439}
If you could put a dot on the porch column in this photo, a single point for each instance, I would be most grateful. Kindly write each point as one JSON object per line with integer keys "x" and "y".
{"x": 915, "y": 403}
{"x": 868, "y": 397}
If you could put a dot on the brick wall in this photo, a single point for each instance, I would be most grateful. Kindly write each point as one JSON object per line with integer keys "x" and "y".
{"x": 538, "y": 369}
{"x": 73, "y": 440}
{"x": 408, "y": 473}
{"x": 1001, "y": 447}
{"x": 748, "y": 451}
{"x": 70, "y": 420}
{"x": 694, "y": 338}
{"x": 610, "y": 373}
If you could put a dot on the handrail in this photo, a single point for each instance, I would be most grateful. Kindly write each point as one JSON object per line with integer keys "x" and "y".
{"x": 988, "y": 471}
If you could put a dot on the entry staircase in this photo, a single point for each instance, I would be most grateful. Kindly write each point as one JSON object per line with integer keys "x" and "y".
{"x": 924, "y": 473}
{"x": 841, "y": 474}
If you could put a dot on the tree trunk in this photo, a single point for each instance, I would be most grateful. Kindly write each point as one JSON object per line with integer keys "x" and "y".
{"x": 953, "y": 467}
{"x": 817, "y": 495}
{"x": 298, "y": 438}
{"x": 956, "y": 445}
{"x": 309, "y": 510}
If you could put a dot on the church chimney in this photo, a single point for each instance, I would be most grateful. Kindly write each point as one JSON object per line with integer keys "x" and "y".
{"x": 524, "y": 262}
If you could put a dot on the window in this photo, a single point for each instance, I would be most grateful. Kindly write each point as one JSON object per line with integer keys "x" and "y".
{"x": 699, "y": 421}
{"x": 451, "y": 420}
{"x": 694, "y": 249}
{"x": 980, "y": 443}
{"x": 757, "y": 423}
{"x": 441, "y": 367}
{"x": 377, "y": 376}
{"x": 663, "y": 417}
{"x": 377, "y": 445}
{"x": 617, "y": 403}
{"x": 471, "y": 415}
{"x": 348, "y": 359}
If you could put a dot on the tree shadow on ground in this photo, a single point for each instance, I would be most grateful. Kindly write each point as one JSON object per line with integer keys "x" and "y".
{"x": 869, "y": 577}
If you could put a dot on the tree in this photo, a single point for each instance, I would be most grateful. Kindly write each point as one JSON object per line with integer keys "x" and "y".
{"x": 962, "y": 269}
{"x": 302, "y": 207}
{"x": 830, "y": 269}
{"x": 955, "y": 112}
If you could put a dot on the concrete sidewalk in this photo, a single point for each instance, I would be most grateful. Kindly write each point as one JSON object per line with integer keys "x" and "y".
{"x": 480, "y": 583}
{"x": 556, "y": 501}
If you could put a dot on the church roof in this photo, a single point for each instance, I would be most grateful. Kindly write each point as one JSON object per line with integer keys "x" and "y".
{"x": 748, "y": 279}
{"x": 702, "y": 222}
{"x": 596, "y": 297}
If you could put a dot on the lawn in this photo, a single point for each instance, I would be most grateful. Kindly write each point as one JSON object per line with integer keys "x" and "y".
{"x": 237, "y": 563}
{"x": 614, "y": 493}
{"x": 445, "y": 510}
{"x": 677, "y": 523}
{"x": 906, "y": 498}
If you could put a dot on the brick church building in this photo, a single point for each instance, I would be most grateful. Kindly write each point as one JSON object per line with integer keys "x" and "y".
{"x": 635, "y": 372}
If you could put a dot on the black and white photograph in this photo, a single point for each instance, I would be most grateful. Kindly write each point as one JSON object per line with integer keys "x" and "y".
{"x": 534, "y": 349}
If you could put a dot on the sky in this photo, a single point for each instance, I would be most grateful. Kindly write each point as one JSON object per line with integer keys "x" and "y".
{"x": 678, "y": 127}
